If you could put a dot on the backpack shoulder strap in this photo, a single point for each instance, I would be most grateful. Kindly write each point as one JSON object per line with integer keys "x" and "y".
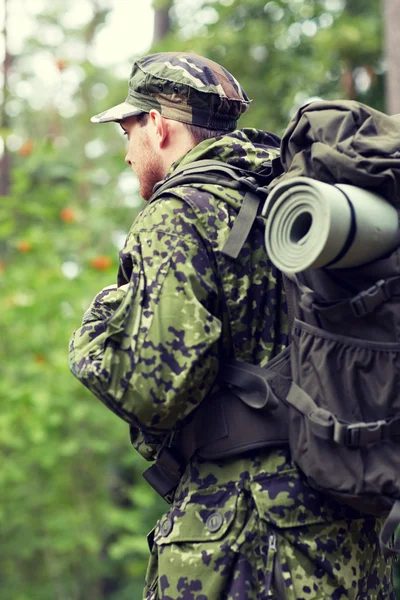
{"x": 242, "y": 225}
{"x": 216, "y": 173}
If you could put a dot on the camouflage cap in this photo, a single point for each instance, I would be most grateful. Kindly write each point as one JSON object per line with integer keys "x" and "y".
{"x": 184, "y": 87}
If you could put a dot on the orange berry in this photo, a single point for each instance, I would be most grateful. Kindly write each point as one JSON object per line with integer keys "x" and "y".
{"x": 68, "y": 215}
{"x": 61, "y": 64}
{"x": 26, "y": 148}
{"x": 101, "y": 263}
{"x": 24, "y": 246}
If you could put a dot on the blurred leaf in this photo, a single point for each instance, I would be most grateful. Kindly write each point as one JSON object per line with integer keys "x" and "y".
{"x": 74, "y": 508}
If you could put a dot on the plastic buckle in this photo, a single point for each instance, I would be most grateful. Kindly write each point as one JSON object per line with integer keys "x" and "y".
{"x": 250, "y": 182}
{"x": 361, "y": 434}
{"x": 367, "y": 300}
{"x": 307, "y": 303}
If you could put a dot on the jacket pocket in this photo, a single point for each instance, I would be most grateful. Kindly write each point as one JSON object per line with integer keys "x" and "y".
{"x": 196, "y": 544}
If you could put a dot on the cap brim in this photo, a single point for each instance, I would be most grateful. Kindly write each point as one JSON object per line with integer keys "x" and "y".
{"x": 117, "y": 113}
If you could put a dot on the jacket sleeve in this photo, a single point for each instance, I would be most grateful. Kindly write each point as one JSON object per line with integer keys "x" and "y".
{"x": 149, "y": 349}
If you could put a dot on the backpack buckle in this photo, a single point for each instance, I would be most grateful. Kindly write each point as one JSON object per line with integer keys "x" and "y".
{"x": 368, "y": 300}
{"x": 250, "y": 182}
{"x": 361, "y": 434}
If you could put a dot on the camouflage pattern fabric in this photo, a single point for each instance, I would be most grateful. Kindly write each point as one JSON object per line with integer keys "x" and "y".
{"x": 151, "y": 348}
{"x": 250, "y": 529}
{"x": 184, "y": 87}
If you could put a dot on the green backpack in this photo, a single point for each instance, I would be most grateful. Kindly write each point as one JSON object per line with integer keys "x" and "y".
{"x": 344, "y": 400}
{"x": 334, "y": 394}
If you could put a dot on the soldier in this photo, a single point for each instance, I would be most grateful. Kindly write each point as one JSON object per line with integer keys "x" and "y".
{"x": 243, "y": 523}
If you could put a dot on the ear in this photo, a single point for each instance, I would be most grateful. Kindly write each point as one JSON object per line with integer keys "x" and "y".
{"x": 160, "y": 127}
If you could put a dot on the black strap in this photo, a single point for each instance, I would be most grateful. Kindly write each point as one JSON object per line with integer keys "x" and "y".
{"x": 164, "y": 474}
{"x": 292, "y": 305}
{"x": 194, "y": 178}
{"x": 213, "y": 172}
{"x": 251, "y": 384}
{"x": 364, "y": 303}
{"x": 389, "y": 541}
{"x": 225, "y": 426}
{"x": 245, "y": 414}
{"x": 222, "y": 426}
{"x": 350, "y": 236}
{"x": 200, "y": 167}
{"x": 216, "y": 173}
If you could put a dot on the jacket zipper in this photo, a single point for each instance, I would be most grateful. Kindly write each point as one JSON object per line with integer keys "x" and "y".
{"x": 270, "y": 565}
{"x": 275, "y": 585}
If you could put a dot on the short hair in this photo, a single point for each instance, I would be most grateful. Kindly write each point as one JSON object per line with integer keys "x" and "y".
{"x": 199, "y": 134}
{"x": 142, "y": 119}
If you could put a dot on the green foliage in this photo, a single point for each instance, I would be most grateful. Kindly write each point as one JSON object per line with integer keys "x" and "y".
{"x": 74, "y": 509}
{"x": 285, "y": 52}
{"x": 69, "y": 508}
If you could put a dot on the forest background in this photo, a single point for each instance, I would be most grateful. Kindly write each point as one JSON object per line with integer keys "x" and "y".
{"x": 74, "y": 510}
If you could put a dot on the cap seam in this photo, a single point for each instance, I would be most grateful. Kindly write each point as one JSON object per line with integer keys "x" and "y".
{"x": 148, "y": 74}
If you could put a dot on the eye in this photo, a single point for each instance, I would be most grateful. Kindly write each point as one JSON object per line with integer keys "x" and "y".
{"x": 125, "y": 133}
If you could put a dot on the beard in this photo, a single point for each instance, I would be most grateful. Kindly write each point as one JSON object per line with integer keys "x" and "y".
{"x": 149, "y": 170}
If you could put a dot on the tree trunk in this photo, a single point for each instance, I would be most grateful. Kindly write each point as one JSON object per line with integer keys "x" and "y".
{"x": 5, "y": 165}
{"x": 162, "y": 21}
{"x": 391, "y": 13}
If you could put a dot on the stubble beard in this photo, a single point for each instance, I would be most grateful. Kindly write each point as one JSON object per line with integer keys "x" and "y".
{"x": 151, "y": 172}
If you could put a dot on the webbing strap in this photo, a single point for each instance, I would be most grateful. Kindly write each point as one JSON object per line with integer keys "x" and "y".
{"x": 326, "y": 426}
{"x": 242, "y": 225}
{"x": 194, "y": 178}
{"x": 210, "y": 171}
{"x": 350, "y": 235}
{"x": 364, "y": 303}
{"x": 203, "y": 166}
{"x": 388, "y": 532}
{"x": 216, "y": 173}
{"x": 251, "y": 383}
{"x": 164, "y": 474}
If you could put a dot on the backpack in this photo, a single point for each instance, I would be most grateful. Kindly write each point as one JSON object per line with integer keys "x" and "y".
{"x": 338, "y": 383}
{"x": 344, "y": 400}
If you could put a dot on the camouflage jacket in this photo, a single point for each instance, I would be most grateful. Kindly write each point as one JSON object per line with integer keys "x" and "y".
{"x": 151, "y": 348}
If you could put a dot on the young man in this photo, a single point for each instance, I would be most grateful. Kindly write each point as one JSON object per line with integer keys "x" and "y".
{"x": 154, "y": 348}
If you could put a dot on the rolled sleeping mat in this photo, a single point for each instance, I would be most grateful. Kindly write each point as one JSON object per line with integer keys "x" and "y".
{"x": 311, "y": 225}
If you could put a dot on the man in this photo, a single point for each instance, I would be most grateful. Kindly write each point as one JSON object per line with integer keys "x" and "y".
{"x": 154, "y": 348}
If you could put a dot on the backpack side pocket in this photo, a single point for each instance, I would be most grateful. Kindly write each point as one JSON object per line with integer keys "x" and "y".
{"x": 344, "y": 424}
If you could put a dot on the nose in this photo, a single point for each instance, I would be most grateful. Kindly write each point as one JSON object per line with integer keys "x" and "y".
{"x": 127, "y": 159}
